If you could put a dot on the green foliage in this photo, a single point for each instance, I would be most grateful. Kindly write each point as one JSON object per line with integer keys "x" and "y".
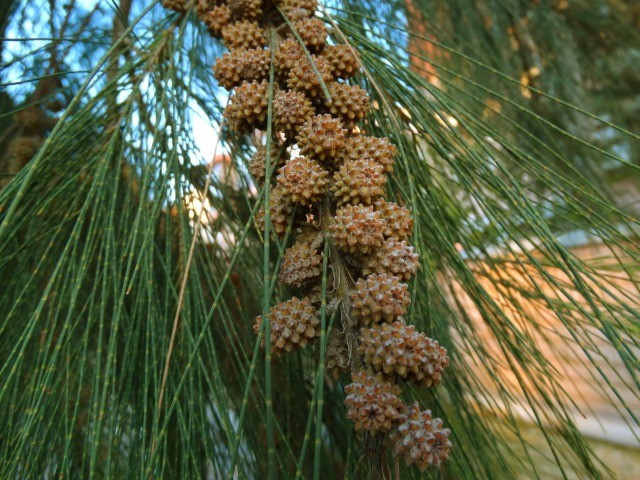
{"x": 127, "y": 333}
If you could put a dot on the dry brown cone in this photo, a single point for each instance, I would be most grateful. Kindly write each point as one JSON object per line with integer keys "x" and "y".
{"x": 280, "y": 211}
{"x": 322, "y": 137}
{"x": 216, "y": 19}
{"x": 292, "y": 8}
{"x": 288, "y": 54}
{"x": 398, "y": 349}
{"x": 372, "y": 403}
{"x": 357, "y": 229}
{"x": 254, "y": 64}
{"x": 247, "y": 109}
{"x": 374, "y": 148}
{"x": 293, "y": 324}
{"x": 204, "y": 6}
{"x": 379, "y": 298}
{"x": 301, "y": 264}
{"x": 177, "y": 5}
{"x": 398, "y": 222}
{"x": 244, "y": 34}
{"x": 394, "y": 258}
{"x": 358, "y": 181}
{"x": 337, "y": 355}
{"x": 302, "y": 77}
{"x": 245, "y": 9}
{"x": 257, "y": 167}
{"x": 313, "y": 33}
{"x": 350, "y": 103}
{"x": 343, "y": 60}
{"x": 227, "y": 69}
{"x": 420, "y": 439}
{"x": 242, "y": 65}
{"x": 290, "y": 110}
{"x": 304, "y": 180}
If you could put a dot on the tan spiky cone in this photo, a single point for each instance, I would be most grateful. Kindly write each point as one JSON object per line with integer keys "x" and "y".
{"x": 293, "y": 324}
{"x": 337, "y": 356}
{"x": 398, "y": 222}
{"x": 342, "y": 59}
{"x": 204, "y": 6}
{"x": 398, "y": 349}
{"x": 302, "y": 76}
{"x": 301, "y": 264}
{"x": 358, "y": 182}
{"x": 379, "y": 298}
{"x": 420, "y": 439}
{"x": 357, "y": 229}
{"x": 394, "y": 258}
{"x": 245, "y": 9}
{"x": 291, "y": 109}
{"x": 280, "y": 211}
{"x": 304, "y": 180}
{"x": 245, "y": 34}
{"x": 377, "y": 149}
{"x": 248, "y": 106}
{"x": 227, "y": 69}
{"x": 216, "y": 19}
{"x": 257, "y": 166}
{"x": 322, "y": 137}
{"x": 176, "y": 5}
{"x": 373, "y": 404}
{"x": 349, "y": 103}
{"x": 240, "y": 65}
{"x": 287, "y": 54}
{"x": 312, "y": 32}
{"x": 293, "y": 6}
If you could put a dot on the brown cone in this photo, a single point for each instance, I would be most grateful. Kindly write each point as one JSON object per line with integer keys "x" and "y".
{"x": 292, "y": 8}
{"x": 301, "y": 264}
{"x": 344, "y": 63}
{"x": 247, "y": 109}
{"x": 420, "y": 439}
{"x": 280, "y": 211}
{"x": 377, "y": 149}
{"x": 337, "y": 356}
{"x": 372, "y": 403}
{"x": 177, "y": 5}
{"x": 358, "y": 181}
{"x": 357, "y": 229}
{"x": 321, "y": 137}
{"x": 288, "y": 54}
{"x": 398, "y": 222}
{"x": 293, "y": 324}
{"x": 244, "y": 34}
{"x": 350, "y": 103}
{"x": 303, "y": 78}
{"x": 304, "y": 180}
{"x": 216, "y": 19}
{"x": 398, "y": 349}
{"x": 245, "y": 9}
{"x": 394, "y": 258}
{"x": 312, "y": 32}
{"x": 290, "y": 110}
{"x": 379, "y": 298}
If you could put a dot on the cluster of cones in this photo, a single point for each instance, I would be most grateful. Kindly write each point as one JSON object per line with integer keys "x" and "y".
{"x": 337, "y": 178}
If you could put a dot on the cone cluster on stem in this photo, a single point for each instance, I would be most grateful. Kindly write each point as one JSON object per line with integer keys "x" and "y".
{"x": 328, "y": 182}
